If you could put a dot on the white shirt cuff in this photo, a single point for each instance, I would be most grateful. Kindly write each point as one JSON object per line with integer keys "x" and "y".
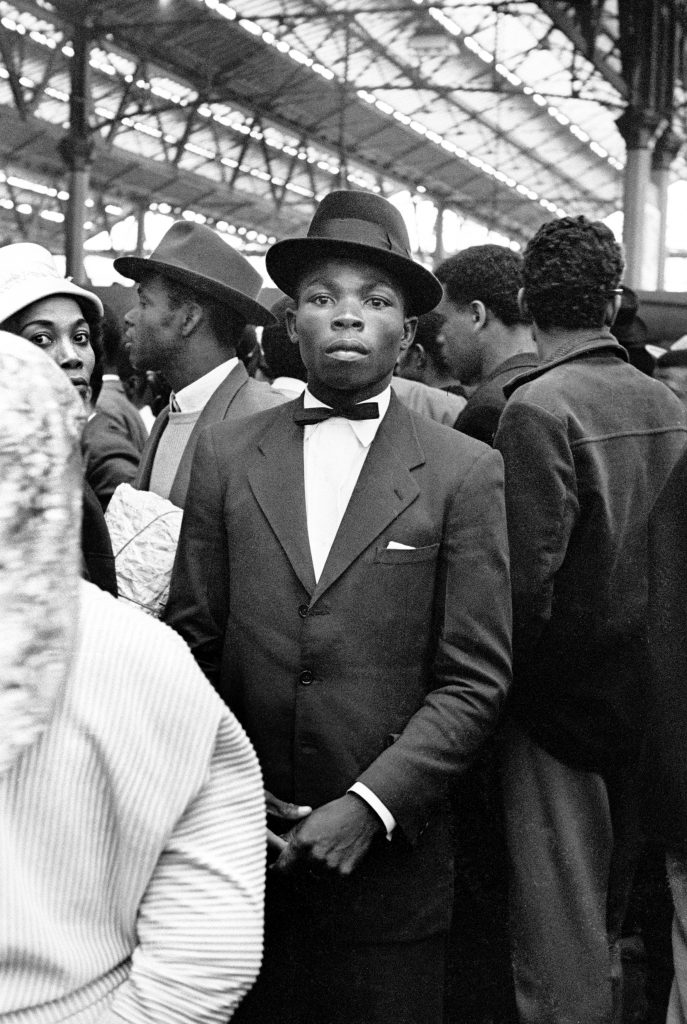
{"x": 388, "y": 820}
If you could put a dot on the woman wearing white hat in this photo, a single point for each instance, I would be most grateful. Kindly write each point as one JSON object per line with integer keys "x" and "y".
{"x": 53, "y": 313}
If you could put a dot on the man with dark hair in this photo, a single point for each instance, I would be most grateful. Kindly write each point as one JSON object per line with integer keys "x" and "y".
{"x": 350, "y": 600}
{"x": 426, "y": 359}
{"x": 588, "y": 442}
{"x": 195, "y": 296}
{"x": 487, "y": 338}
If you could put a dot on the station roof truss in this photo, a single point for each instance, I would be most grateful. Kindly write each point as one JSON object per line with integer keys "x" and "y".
{"x": 245, "y": 114}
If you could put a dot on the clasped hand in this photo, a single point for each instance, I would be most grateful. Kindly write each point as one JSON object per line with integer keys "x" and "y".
{"x": 333, "y": 838}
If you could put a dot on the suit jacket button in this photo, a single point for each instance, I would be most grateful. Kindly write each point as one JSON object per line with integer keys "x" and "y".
{"x": 306, "y": 677}
{"x": 303, "y": 610}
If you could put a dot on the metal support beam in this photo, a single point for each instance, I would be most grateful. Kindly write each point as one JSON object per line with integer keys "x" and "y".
{"x": 571, "y": 28}
{"x": 141, "y": 228}
{"x": 439, "y": 235}
{"x": 638, "y": 128}
{"x": 666, "y": 149}
{"x": 76, "y": 150}
{"x": 7, "y": 55}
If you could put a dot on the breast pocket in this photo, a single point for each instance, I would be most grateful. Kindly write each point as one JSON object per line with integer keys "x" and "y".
{"x": 406, "y": 556}
{"x": 403, "y": 583}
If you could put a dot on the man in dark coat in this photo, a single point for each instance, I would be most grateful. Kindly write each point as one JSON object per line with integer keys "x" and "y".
{"x": 487, "y": 338}
{"x": 664, "y": 756}
{"x": 342, "y": 578}
{"x": 195, "y": 296}
{"x": 588, "y": 442}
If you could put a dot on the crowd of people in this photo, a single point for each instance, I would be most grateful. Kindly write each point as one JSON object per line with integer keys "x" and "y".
{"x": 413, "y": 724}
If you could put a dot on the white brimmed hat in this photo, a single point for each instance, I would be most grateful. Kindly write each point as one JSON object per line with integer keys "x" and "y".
{"x": 28, "y": 273}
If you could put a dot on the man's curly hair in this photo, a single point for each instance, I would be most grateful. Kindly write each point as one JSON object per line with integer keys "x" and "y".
{"x": 491, "y": 274}
{"x": 571, "y": 269}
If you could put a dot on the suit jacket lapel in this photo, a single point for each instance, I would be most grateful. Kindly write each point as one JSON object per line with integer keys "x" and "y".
{"x": 145, "y": 467}
{"x": 384, "y": 489}
{"x": 276, "y": 480}
{"x": 214, "y": 411}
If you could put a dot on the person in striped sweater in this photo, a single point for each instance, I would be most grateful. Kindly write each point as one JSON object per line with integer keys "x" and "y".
{"x": 131, "y": 809}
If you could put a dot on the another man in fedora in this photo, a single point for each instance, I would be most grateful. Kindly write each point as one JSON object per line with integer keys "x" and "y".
{"x": 350, "y": 600}
{"x": 195, "y": 296}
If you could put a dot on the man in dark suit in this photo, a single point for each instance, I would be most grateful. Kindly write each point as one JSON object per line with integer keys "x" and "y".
{"x": 487, "y": 338}
{"x": 663, "y": 773}
{"x": 195, "y": 296}
{"x": 342, "y": 578}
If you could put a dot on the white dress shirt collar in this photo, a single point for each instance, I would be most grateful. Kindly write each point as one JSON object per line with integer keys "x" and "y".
{"x": 292, "y": 386}
{"x": 364, "y": 430}
{"x": 195, "y": 396}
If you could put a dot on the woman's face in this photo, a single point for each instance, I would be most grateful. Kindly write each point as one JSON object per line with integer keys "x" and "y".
{"x": 57, "y": 325}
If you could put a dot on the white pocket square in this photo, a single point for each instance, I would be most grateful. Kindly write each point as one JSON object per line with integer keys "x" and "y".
{"x": 395, "y": 545}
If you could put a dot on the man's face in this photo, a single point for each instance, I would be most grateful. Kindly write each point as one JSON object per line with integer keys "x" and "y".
{"x": 460, "y": 336}
{"x": 153, "y": 326}
{"x": 350, "y": 325}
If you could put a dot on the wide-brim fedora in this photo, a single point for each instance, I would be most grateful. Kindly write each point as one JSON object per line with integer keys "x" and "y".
{"x": 28, "y": 273}
{"x": 359, "y": 225}
{"x": 197, "y": 256}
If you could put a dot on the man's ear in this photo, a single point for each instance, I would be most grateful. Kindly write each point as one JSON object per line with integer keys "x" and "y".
{"x": 479, "y": 314}
{"x": 291, "y": 325}
{"x": 192, "y": 316}
{"x": 415, "y": 358}
{"x": 409, "y": 328}
{"x": 522, "y": 303}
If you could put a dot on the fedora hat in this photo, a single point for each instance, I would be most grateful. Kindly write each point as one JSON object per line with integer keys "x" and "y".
{"x": 28, "y": 273}
{"x": 196, "y": 256}
{"x": 359, "y": 225}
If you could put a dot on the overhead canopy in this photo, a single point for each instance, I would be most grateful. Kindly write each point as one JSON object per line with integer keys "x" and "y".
{"x": 247, "y": 114}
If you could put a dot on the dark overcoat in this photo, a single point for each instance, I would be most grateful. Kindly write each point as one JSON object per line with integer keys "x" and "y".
{"x": 664, "y": 758}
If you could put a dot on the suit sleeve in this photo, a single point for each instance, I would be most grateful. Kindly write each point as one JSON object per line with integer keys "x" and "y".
{"x": 472, "y": 663}
{"x": 542, "y": 508}
{"x": 198, "y": 606}
{"x": 111, "y": 458}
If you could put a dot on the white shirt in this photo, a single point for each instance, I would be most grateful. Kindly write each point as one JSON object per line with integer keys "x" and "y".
{"x": 334, "y": 453}
{"x": 292, "y": 387}
{"x": 196, "y": 395}
{"x": 148, "y": 417}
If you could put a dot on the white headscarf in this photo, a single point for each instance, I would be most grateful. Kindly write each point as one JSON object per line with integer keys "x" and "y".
{"x": 41, "y": 418}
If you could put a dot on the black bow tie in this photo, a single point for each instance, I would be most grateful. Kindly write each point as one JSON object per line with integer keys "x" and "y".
{"x": 308, "y": 417}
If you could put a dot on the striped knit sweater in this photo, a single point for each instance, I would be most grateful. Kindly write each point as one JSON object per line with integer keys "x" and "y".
{"x": 131, "y": 841}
